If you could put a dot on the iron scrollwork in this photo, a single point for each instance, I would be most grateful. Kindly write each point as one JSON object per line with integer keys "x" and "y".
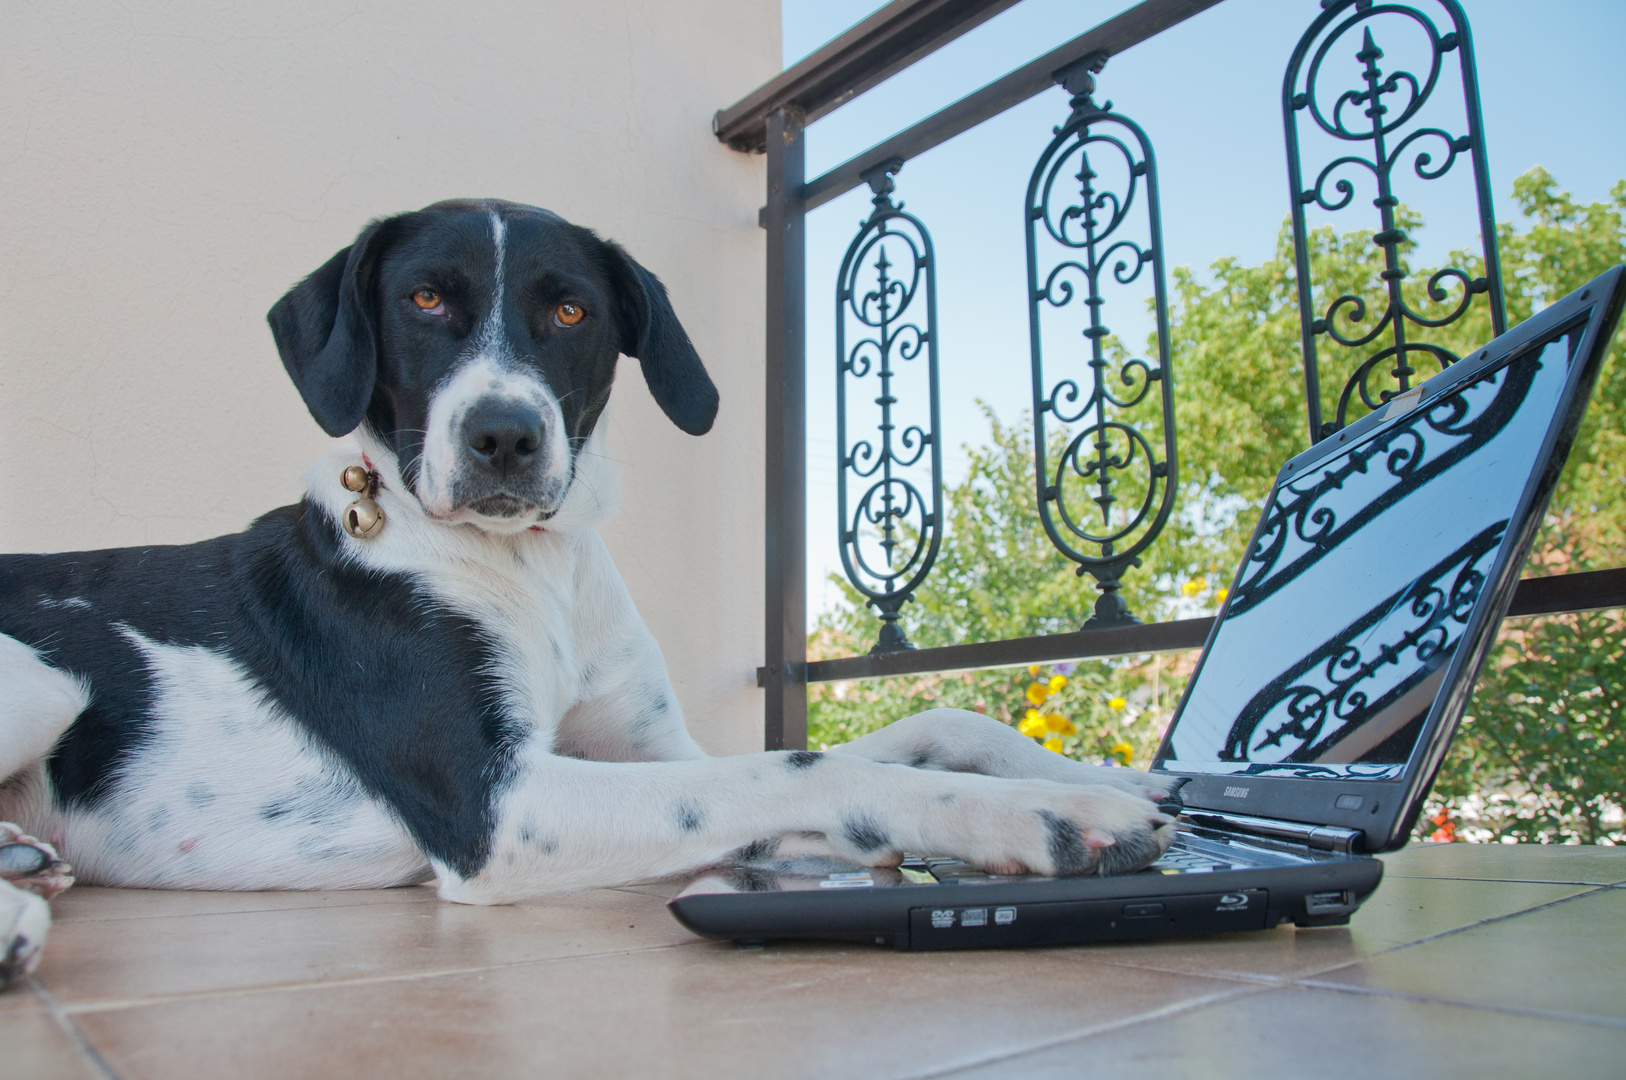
{"x": 891, "y": 534}
{"x": 1081, "y": 199}
{"x": 1382, "y": 111}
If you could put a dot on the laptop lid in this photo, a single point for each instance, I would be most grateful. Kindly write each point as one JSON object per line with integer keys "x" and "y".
{"x": 1376, "y": 578}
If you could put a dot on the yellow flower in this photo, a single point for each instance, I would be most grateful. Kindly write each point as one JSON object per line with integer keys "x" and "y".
{"x": 1053, "y": 745}
{"x": 1220, "y": 595}
{"x": 1031, "y": 725}
{"x": 1116, "y": 704}
{"x": 1123, "y": 752}
{"x": 1059, "y": 724}
{"x": 1033, "y": 670}
{"x": 1056, "y": 683}
{"x": 1194, "y": 586}
{"x": 1037, "y": 692}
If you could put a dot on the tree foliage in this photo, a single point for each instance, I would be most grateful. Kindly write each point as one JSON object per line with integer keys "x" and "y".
{"x": 1541, "y": 757}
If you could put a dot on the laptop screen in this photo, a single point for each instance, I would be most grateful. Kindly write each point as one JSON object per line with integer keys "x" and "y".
{"x": 1361, "y": 579}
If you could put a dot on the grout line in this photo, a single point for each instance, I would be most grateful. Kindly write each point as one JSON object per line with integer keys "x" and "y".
{"x": 66, "y": 1023}
{"x": 1492, "y": 920}
{"x": 113, "y": 1004}
{"x": 1164, "y": 1013}
{"x": 1513, "y": 1010}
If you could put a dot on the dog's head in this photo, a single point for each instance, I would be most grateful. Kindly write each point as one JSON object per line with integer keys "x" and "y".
{"x": 477, "y": 340}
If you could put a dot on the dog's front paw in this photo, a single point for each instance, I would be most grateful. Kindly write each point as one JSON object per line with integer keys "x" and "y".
{"x": 31, "y": 865}
{"x": 24, "y": 919}
{"x": 1063, "y": 831}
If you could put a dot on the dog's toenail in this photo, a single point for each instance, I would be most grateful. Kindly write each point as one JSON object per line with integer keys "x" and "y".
{"x": 21, "y": 860}
{"x": 1098, "y": 838}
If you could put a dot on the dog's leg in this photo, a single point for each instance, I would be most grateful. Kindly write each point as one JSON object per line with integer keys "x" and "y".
{"x": 30, "y": 874}
{"x": 37, "y": 704}
{"x": 955, "y": 740}
{"x": 24, "y": 920}
{"x": 565, "y": 824}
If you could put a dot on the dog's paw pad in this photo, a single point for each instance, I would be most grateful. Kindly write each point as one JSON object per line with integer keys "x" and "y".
{"x": 31, "y": 865}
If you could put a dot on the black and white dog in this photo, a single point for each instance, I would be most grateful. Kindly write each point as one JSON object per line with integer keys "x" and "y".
{"x": 467, "y": 693}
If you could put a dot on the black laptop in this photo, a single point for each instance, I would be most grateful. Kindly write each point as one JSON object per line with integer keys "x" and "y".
{"x": 1326, "y": 695}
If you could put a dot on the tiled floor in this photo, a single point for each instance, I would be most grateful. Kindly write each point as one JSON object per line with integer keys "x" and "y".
{"x": 1469, "y": 961}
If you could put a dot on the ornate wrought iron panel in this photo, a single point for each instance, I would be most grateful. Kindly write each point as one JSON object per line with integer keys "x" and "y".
{"x": 1385, "y": 113}
{"x": 891, "y": 532}
{"x": 1094, "y": 183}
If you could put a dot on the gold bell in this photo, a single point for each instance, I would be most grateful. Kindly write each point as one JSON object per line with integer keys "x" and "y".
{"x": 362, "y": 518}
{"x": 355, "y": 478}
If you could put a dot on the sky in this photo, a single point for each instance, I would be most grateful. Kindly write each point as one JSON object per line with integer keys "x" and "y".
{"x": 1207, "y": 93}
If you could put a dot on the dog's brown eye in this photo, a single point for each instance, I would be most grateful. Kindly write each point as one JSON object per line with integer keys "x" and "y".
{"x": 427, "y": 299}
{"x": 568, "y": 314}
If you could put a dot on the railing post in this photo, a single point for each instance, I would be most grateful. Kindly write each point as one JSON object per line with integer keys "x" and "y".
{"x": 785, "y": 461}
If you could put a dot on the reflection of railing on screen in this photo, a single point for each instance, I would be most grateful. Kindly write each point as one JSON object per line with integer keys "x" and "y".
{"x": 1356, "y": 695}
{"x": 1305, "y": 518}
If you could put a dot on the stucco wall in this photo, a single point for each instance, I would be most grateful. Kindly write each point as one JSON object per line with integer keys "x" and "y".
{"x": 168, "y": 169}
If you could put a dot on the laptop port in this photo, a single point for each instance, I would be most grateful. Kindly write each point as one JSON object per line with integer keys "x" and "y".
{"x": 1327, "y": 903}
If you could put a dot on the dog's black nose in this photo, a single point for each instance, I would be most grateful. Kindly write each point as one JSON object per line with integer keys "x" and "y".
{"x": 504, "y": 436}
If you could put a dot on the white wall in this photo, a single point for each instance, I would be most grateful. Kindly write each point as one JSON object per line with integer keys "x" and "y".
{"x": 168, "y": 169}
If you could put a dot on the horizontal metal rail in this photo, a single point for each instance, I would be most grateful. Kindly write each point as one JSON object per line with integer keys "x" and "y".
{"x": 867, "y": 54}
{"x": 1112, "y": 37}
{"x": 1592, "y": 590}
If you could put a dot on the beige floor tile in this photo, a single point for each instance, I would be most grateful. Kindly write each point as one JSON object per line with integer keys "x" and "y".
{"x": 711, "y": 1011}
{"x": 100, "y": 960}
{"x": 33, "y": 1046}
{"x": 1510, "y": 862}
{"x": 1568, "y": 958}
{"x": 1403, "y": 910}
{"x": 86, "y": 902}
{"x": 1330, "y": 1036}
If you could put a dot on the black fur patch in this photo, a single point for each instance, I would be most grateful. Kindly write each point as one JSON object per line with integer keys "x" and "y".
{"x": 688, "y": 816}
{"x": 370, "y": 665}
{"x": 803, "y": 759}
{"x": 1069, "y": 855}
{"x": 1131, "y": 852}
{"x": 863, "y": 832}
{"x": 755, "y": 851}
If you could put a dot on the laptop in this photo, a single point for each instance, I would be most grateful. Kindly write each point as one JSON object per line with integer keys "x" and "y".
{"x": 1324, "y": 700}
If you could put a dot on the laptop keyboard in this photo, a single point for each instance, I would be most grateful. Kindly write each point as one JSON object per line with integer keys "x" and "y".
{"x": 1188, "y": 854}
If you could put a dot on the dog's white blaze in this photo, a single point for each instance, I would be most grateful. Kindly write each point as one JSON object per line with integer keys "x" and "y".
{"x": 490, "y": 372}
{"x": 230, "y": 793}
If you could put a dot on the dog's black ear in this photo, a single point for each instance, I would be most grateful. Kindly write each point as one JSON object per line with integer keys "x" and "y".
{"x": 326, "y": 329}
{"x": 649, "y": 330}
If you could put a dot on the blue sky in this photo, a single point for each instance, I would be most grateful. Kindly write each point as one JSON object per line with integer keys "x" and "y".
{"x": 1207, "y": 93}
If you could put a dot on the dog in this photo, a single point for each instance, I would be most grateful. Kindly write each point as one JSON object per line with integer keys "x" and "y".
{"x": 455, "y": 686}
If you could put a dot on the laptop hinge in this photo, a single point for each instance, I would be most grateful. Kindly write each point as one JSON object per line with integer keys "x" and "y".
{"x": 1317, "y": 837}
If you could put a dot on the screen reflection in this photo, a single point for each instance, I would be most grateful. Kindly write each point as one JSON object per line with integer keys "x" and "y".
{"x": 1360, "y": 583}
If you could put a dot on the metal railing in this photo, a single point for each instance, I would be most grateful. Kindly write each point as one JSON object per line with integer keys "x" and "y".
{"x": 1081, "y": 238}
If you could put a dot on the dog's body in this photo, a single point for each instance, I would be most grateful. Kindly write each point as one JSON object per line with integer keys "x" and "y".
{"x": 468, "y": 695}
